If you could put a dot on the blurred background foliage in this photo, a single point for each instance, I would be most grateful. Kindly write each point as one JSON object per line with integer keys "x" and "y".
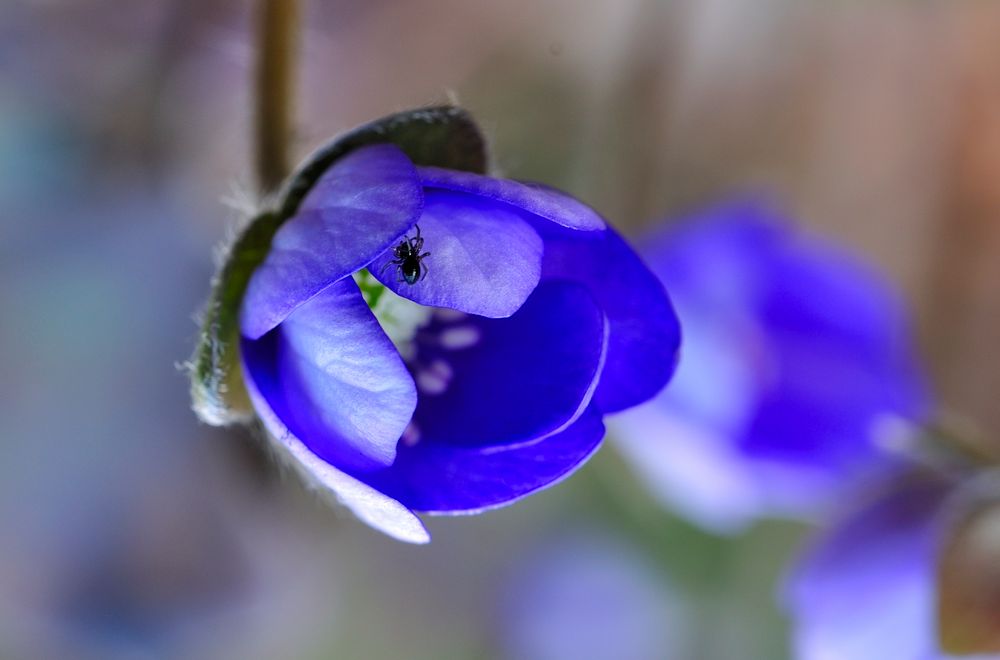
{"x": 130, "y": 531}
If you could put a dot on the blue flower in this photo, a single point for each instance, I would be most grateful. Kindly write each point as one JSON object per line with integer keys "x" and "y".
{"x": 472, "y": 375}
{"x": 793, "y": 353}
{"x": 903, "y": 574}
{"x": 865, "y": 590}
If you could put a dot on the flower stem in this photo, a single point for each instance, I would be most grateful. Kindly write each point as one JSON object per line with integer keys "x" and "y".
{"x": 277, "y": 50}
{"x": 962, "y": 438}
{"x": 947, "y": 442}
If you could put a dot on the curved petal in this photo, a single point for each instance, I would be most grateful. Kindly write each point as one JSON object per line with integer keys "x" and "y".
{"x": 336, "y": 381}
{"x": 645, "y": 334}
{"x": 357, "y": 209}
{"x": 868, "y": 578}
{"x": 491, "y": 382}
{"x": 543, "y": 201}
{"x": 824, "y": 336}
{"x": 839, "y": 339}
{"x": 734, "y": 236}
{"x": 807, "y": 345}
{"x": 438, "y": 478}
{"x": 688, "y": 468}
{"x": 484, "y": 257}
{"x": 371, "y": 506}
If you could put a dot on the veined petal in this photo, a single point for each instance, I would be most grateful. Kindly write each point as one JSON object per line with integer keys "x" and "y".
{"x": 485, "y": 258}
{"x": 371, "y": 506}
{"x": 335, "y": 380}
{"x": 356, "y": 210}
{"x": 543, "y": 201}
{"x": 645, "y": 335}
{"x": 438, "y": 478}
{"x": 494, "y": 382}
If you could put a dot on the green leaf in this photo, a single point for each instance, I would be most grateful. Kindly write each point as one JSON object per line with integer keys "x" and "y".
{"x": 443, "y": 136}
{"x": 217, "y": 390}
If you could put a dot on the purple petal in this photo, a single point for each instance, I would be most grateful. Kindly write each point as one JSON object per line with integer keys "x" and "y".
{"x": 838, "y": 339}
{"x": 357, "y": 209}
{"x": 793, "y": 354}
{"x": 542, "y": 201}
{"x": 439, "y": 478}
{"x": 335, "y": 380}
{"x": 645, "y": 335}
{"x": 813, "y": 309}
{"x": 484, "y": 257}
{"x": 689, "y": 468}
{"x": 865, "y": 591}
{"x": 490, "y": 382}
{"x": 734, "y": 238}
{"x": 684, "y": 443}
{"x": 371, "y": 506}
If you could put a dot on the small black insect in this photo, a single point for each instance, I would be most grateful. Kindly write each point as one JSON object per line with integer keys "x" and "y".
{"x": 408, "y": 259}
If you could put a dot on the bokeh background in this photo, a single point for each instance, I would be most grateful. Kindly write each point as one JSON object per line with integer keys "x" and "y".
{"x": 129, "y": 530}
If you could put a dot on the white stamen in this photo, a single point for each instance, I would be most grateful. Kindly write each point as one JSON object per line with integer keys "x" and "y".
{"x": 435, "y": 378}
{"x": 399, "y": 317}
{"x": 441, "y": 368}
{"x": 463, "y": 336}
{"x": 895, "y": 434}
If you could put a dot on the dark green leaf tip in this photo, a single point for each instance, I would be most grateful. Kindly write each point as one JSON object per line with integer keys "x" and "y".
{"x": 443, "y": 136}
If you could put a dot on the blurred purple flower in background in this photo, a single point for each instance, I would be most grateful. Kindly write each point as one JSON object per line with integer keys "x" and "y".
{"x": 793, "y": 353}
{"x": 875, "y": 584}
{"x": 866, "y": 589}
{"x": 590, "y": 595}
{"x": 461, "y": 380}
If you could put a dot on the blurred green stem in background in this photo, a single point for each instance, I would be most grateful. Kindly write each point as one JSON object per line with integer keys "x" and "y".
{"x": 946, "y": 442}
{"x": 277, "y": 50}
{"x": 953, "y": 440}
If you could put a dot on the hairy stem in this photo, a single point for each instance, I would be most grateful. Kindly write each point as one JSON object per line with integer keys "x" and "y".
{"x": 277, "y": 50}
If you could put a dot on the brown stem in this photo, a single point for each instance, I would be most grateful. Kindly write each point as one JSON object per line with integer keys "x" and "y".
{"x": 277, "y": 33}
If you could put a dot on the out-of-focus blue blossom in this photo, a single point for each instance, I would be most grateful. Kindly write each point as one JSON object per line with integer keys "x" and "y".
{"x": 868, "y": 587}
{"x": 793, "y": 354}
{"x": 590, "y": 596}
{"x": 480, "y": 382}
{"x": 865, "y": 591}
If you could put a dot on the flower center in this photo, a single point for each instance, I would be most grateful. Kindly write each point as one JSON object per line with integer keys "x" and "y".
{"x": 426, "y": 337}
{"x": 399, "y": 317}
